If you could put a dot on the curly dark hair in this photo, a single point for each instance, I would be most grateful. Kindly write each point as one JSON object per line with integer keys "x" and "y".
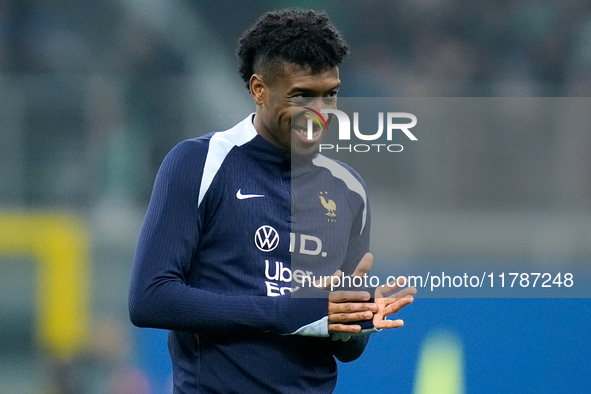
{"x": 302, "y": 37}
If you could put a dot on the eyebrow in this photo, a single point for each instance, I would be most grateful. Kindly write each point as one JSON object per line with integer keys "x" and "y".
{"x": 311, "y": 92}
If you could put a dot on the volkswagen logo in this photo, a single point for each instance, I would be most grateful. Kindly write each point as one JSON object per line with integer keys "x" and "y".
{"x": 266, "y": 238}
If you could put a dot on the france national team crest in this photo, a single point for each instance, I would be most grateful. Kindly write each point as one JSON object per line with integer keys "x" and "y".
{"x": 329, "y": 205}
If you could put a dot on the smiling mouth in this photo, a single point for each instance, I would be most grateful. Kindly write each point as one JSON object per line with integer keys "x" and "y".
{"x": 303, "y": 131}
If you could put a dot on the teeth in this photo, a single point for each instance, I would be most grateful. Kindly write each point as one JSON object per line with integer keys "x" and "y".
{"x": 304, "y": 131}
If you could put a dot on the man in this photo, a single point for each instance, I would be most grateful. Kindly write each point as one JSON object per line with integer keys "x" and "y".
{"x": 213, "y": 262}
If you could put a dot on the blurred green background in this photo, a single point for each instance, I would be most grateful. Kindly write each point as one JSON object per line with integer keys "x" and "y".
{"x": 93, "y": 94}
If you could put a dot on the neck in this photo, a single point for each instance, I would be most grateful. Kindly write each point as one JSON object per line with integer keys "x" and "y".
{"x": 263, "y": 130}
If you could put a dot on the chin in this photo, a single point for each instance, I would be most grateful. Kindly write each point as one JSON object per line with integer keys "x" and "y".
{"x": 303, "y": 148}
{"x": 301, "y": 156}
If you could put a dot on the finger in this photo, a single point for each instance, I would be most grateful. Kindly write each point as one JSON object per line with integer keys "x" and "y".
{"x": 364, "y": 265}
{"x": 351, "y": 307}
{"x": 408, "y": 291}
{"x": 388, "y": 324}
{"x": 327, "y": 281}
{"x": 386, "y": 289}
{"x": 394, "y": 285}
{"x": 349, "y": 317}
{"x": 347, "y": 296}
{"x": 344, "y": 328}
{"x": 395, "y": 305}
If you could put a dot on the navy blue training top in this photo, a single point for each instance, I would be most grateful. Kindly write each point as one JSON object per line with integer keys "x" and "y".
{"x": 231, "y": 230}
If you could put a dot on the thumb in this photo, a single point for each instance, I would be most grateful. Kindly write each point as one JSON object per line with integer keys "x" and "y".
{"x": 364, "y": 265}
{"x": 324, "y": 283}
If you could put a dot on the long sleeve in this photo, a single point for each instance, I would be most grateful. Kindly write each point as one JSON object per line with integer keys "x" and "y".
{"x": 159, "y": 296}
{"x": 350, "y": 350}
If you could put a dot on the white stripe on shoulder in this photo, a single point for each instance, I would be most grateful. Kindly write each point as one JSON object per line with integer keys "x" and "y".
{"x": 220, "y": 145}
{"x": 342, "y": 173}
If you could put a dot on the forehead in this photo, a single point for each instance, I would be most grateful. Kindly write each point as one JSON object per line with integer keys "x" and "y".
{"x": 295, "y": 77}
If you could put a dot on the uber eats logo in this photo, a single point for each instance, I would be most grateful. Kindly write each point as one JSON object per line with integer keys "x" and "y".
{"x": 376, "y": 141}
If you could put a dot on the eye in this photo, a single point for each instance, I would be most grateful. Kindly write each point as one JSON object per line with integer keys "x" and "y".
{"x": 330, "y": 98}
{"x": 299, "y": 100}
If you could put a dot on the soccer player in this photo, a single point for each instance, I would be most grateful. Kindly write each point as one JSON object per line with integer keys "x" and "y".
{"x": 214, "y": 257}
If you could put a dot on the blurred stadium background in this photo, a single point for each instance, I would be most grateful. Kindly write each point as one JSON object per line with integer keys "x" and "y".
{"x": 95, "y": 93}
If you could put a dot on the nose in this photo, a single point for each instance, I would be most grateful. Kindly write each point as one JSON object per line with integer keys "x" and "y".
{"x": 314, "y": 109}
{"x": 319, "y": 103}
{"x": 314, "y": 116}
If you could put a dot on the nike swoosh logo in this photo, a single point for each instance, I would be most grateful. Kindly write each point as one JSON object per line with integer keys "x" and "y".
{"x": 241, "y": 196}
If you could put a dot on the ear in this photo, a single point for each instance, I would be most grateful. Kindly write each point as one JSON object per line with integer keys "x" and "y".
{"x": 258, "y": 90}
